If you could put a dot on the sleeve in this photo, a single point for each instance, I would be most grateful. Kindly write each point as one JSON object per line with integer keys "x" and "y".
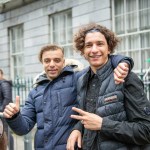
{"x": 6, "y": 89}
{"x": 136, "y": 130}
{"x": 116, "y": 59}
{"x": 24, "y": 121}
{"x": 78, "y": 126}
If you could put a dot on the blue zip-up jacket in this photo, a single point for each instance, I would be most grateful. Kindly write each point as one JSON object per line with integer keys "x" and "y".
{"x": 50, "y": 106}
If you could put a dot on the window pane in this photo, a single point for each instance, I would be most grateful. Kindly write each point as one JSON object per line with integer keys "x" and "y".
{"x": 133, "y": 42}
{"x": 122, "y": 45}
{"x": 120, "y": 25}
{"x": 68, "y": 51}
{"x": 119, "y": 17}
{"x": 144, "y": 11}
{"x": 119, "y": 7}
{"x": 145, "y": 40}
{"x": 136, "y": 57}
{"x": 135, "y": 37}
{"x": 69, "y": 28}
{"x": 61, "y": 30}
{"x": 131, "y": 11}
{"x": 16, "y": 45}
{"x": 145, "y": 55}
{"x": 132, "y": 22}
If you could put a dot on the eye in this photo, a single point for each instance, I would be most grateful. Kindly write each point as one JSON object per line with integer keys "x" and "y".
{"x": 100, "y": 43}
{"x": 57, "y": 60}
{"x": 88, "y": 45}
{"x": 46, "y": 61}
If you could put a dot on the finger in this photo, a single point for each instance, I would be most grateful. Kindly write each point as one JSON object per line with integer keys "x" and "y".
{"x": 68, "y": 145}
{"x": 7, "y": 113}
{"x": 79, "y": 142}
{"x": 77, "y": 117}
{"x": 80, "y": 111}
{"x": 12, "y": 107}
{"x": 124, "y": 66}
{"x": 119, "y": 72}
{"x": 118, "y": 76}
{"x": 118, "y": 81}
{"x": 18, "y": 101}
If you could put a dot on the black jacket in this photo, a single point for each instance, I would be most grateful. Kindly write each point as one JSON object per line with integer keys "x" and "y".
{"x": 136, "y": 130}
{"x": 5, "y": 93}
{"x": 133, "y": 133}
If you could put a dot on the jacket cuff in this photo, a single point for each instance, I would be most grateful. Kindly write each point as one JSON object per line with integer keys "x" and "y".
{"x": 78, "y": 127}
{"x": 14, "y": 117}
{"x": 108, "y": 125}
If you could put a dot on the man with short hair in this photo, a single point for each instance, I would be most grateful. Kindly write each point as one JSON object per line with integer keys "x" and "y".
{"x": 49, "y": 103}
{"x": 111, "y": 116}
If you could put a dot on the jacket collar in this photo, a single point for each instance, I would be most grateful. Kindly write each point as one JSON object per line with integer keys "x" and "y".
{"x": 66, "y": 71}
{"x": 103, "y": 72}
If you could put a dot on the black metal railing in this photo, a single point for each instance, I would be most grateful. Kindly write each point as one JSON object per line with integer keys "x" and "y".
{"x": 21, "y": 87}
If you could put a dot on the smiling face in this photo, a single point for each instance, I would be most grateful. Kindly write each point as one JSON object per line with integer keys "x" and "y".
{"x": 96, "y": 50}
{"x": 53, "y": 63}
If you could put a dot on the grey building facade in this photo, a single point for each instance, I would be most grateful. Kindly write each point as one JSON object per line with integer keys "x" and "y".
{"x": 27, "y": 25}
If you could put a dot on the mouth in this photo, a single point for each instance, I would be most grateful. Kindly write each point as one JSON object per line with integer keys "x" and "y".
{"x": 52, "y": 71}
{"x": 95, "y": 56}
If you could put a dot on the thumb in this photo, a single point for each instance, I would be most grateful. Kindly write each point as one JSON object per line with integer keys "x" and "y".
{"x": 18, "y": 101}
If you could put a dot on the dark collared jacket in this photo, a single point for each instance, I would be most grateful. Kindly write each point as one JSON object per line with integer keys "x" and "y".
{"x": 125, "y": 110}
{"x": 5, "y": 93}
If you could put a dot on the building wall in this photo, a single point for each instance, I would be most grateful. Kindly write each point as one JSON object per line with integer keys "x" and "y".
{"x": 35, "y": 19}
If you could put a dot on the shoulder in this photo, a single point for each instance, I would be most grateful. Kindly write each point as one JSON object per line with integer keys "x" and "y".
{"x": 5, "y": 83}
{"x": 133, "y": 79}
{"x": 134, "y": 88}
{"x": 81, "y": 73}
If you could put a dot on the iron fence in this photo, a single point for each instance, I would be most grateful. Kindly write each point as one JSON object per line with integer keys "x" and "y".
{"x": 21, "y": 87}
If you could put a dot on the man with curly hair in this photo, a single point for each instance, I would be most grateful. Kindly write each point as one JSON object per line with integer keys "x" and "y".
{"x": 111, "y": 116}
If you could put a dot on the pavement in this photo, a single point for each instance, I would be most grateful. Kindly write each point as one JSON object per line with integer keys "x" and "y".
{"x": 23, "y": 142}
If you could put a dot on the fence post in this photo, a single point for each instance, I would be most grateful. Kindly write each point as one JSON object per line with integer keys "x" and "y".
{"x": 141, "y": 74}
{"x": 28, "y": 142}
{"x": 27, "y": 137}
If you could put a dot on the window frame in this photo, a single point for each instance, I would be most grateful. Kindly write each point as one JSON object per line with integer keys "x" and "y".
{"x": 68, "y": 52}
{"x": 15, "y": 53}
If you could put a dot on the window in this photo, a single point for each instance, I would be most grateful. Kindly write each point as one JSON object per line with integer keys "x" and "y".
{"x": 61, "y": 31}
{"x": 131, "y": 22}
{"x": 16, "y": 48}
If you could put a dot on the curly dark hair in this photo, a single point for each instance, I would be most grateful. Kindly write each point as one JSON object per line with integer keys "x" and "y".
{"x": 79, "y": 37}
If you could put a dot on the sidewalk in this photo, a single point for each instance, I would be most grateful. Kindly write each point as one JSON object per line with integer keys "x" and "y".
{"x": 20, "y": 140}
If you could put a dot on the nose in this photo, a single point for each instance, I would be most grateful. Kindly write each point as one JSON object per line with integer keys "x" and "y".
{"x": 94, "y": 48}
{"x": 52, "y": 64}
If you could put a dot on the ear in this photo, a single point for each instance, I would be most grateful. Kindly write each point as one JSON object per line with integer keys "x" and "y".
{"x": 109, "y": 51}
{"x": 64, "y": 63}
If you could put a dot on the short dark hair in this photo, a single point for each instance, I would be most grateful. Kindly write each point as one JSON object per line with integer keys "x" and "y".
{"x": 49, "y": 47}
{"x": 79, "y": 37}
